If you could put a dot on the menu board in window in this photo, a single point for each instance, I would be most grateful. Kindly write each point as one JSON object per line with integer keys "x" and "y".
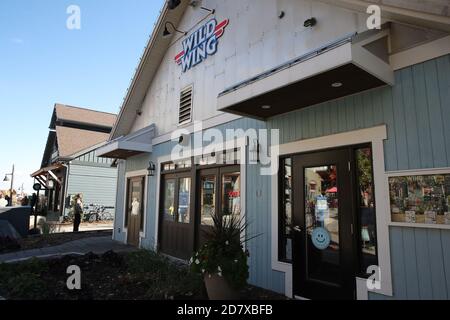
{"x": 421, "y": 199}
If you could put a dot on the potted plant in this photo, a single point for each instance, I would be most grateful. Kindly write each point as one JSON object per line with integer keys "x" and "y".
{"x": 222, "y": 260}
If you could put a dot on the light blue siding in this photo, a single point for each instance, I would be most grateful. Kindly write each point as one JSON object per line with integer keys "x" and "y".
{"x": 96, "y": 184}
{"x": 416, "y": 111}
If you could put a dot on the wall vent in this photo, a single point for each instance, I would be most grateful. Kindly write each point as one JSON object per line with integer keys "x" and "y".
{"x": 185, "y": 114}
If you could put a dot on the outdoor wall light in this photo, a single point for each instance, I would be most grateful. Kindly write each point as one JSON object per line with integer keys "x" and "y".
{"x": 151, "y": 169}
{"x": 310, "y": 23}
{"x": 167, "y": 33}
{"x": 172, "y": 4}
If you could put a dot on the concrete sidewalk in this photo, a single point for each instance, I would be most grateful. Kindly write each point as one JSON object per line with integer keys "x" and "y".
{"x": 97, "y": 245}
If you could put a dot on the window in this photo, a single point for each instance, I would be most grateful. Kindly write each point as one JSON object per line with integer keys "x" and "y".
{"x": 220, "y": 193}
{"x": 231, "y": 194}
{"x": 185, "y": 112}
{"x": 177, "y": 199}
{"x": 286, "y": 198}
{"x": 366, "y": 209}
{"x": 207, "y": 199}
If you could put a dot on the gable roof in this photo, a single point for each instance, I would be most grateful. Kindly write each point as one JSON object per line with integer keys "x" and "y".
{"x": 74, "y": 129}
{"x": 154, "y": 52}
{"x": 72, "y": 140}
{"x": 78, "y": 115}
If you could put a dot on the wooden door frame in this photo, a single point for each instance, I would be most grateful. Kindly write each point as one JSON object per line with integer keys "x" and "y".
{"x": 142, "y": 179}
{"x": 130, "y": 175}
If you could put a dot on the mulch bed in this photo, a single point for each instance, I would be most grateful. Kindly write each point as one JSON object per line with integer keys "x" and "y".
{"x": 141, "y": 275}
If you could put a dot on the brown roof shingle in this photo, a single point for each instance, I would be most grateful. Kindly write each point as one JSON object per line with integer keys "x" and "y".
{"x": 71, "y": 140}
{"x": 82, "y": 115}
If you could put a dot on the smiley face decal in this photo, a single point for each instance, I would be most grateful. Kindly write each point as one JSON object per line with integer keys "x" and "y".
{"x": 320, "y": 238}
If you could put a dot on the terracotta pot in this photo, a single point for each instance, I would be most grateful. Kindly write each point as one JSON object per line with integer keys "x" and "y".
{"x": 219, "y": 289}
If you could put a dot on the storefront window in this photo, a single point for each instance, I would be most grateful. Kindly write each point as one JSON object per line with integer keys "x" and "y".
{"x": 366, "y": 207}
{"x": 285, "y": 251}
{"x": 231, "y": 194}
{"x": 169, "y": 199}
{"x": 208, "y": 199}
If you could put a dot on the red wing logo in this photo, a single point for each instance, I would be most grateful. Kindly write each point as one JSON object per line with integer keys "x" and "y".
{"x": 218, "y": 33}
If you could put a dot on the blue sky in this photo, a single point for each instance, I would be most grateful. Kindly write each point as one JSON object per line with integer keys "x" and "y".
{"x": 42, "y": 62}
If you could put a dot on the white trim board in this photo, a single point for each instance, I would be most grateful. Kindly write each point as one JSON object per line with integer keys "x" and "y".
{"x": 376, "y": 136}
{"x": 422, "y": 53}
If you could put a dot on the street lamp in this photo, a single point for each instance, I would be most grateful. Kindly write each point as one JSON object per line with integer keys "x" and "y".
{"x": 12, "y": 184}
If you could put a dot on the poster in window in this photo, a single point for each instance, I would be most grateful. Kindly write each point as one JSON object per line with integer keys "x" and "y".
{"x": 423, "y": 199}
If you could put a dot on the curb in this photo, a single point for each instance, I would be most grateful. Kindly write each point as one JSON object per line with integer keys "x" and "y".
{"x": 46, "y": 256}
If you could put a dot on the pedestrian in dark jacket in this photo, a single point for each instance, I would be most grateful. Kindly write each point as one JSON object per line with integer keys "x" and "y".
{"x": 78, "y": 210}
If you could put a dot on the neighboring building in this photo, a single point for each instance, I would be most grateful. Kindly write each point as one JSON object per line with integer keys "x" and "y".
{"x": 363, "y": 149}
{"x": 70, "y": 164}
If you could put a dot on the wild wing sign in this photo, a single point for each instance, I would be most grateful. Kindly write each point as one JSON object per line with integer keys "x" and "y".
{"x": 201, "y": 44}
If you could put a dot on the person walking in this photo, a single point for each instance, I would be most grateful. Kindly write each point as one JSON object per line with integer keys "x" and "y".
{"x": 77, "y": 213}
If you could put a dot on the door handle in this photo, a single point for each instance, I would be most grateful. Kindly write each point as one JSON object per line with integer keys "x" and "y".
{"x": 297, "y": 229}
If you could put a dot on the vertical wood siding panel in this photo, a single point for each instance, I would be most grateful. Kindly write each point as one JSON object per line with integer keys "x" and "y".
{"x": 434, "y": 110}
{"x": 390, "y": 144}
{"x": 319, "y": 120}
{"x": 437, "y": 264}
{"x": 423, "y": 122}
{"x": 377, "y": 107}
{"x": 350, "y": 113}
{"x": 400, "y": 127}
{"x": 410, "y": 263}
{"x": 398, "y": 263}
{"x": 368, "y": 109}
{"x": 445, "y": 246}
{"x": 443, "y": 67}
{"x": 342, "y": 121}
{"x": 423, "y": 264}
{"x": 410, "y": 119}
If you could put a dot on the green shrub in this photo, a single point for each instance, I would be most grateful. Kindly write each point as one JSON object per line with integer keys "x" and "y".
{"x": 223, "y": 253}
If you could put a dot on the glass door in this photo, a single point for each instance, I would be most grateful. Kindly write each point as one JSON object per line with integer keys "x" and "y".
{"x": 323, "y": 213}
{"x": 219, "y": 193}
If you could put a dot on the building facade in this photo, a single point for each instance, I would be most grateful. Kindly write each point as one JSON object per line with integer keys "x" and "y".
{"x": 330, "y": 138}
{"x": 70, "y": 164}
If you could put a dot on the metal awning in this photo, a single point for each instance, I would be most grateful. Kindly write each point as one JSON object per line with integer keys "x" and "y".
{"x": 127, "y": 146}
{"x": 346, "y": 66}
